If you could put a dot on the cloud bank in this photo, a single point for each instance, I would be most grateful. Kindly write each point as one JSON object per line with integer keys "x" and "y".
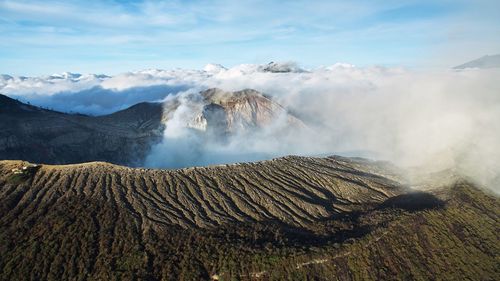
{"x": 439, "y": 120}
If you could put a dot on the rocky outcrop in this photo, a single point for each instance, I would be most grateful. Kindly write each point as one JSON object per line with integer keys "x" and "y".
{"x": 281, "y": 67}
{"x": 239, "y": 112}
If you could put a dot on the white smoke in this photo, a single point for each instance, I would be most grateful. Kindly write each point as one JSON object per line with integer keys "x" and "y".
{"x": 438, "y": 120}
{"x": 434, "y": 119}
{"x": 189, "y": 143}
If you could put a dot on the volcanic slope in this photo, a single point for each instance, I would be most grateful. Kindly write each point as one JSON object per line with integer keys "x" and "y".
{"x": 292, "y": 218}
{"x": 45, "y": 136}
{"x": 292, "y": 190}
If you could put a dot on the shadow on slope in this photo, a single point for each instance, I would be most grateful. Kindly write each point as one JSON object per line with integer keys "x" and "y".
{"x": 103, "y": 240}
{"x": 78, "y": 238}
{"x": 414, "y": 201}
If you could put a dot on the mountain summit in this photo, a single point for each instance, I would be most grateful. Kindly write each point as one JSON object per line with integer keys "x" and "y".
{"x": 242, "y": 110}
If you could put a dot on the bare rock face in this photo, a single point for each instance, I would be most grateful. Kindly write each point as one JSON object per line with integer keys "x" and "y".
{"x": 246, "y": 110}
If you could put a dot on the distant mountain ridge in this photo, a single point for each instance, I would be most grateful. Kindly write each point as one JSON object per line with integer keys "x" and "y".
{"x": 487, "y": 61}
{"x": 35, "y": 134}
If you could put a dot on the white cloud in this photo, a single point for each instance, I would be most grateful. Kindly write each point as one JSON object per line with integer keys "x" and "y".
{"x": 438, "y": 119}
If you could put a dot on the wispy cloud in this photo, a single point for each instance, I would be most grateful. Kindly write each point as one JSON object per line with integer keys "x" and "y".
{"x": 54, "y": 36}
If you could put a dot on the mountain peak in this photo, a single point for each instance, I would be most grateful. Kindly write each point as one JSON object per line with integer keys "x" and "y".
{"x": 488, "y": 61}
{"x": 65, "y": 75}
{"x": 220, "y": 96}
{"x": 214, "y": 68}
{"x": 224, "y": 112}
{"x": 282, "y": 67}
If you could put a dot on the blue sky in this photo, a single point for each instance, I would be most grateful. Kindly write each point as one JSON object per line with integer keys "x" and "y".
{"x": 44, "y": 37}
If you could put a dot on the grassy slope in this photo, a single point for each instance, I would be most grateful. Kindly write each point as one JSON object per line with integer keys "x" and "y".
{"x": 457, "y": 242}
{"x": 82, "y": 239}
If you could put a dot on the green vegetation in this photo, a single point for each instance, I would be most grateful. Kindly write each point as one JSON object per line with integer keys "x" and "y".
{"x": 81, "y": 239}
{"x": 293, "y": 218}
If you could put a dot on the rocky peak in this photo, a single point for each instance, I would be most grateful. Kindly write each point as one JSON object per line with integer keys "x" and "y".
{"x": 281, "y": 67}
{"x": 238, "y": 111}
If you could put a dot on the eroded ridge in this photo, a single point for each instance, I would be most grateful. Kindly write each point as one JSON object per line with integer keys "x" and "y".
{"x": 293, "y": 190}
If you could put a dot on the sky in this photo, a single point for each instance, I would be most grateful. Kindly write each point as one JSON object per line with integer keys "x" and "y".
{"x": 45, "y": 37}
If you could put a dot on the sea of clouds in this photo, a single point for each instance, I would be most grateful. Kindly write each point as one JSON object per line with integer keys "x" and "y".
{"x": 439, "y": 119}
